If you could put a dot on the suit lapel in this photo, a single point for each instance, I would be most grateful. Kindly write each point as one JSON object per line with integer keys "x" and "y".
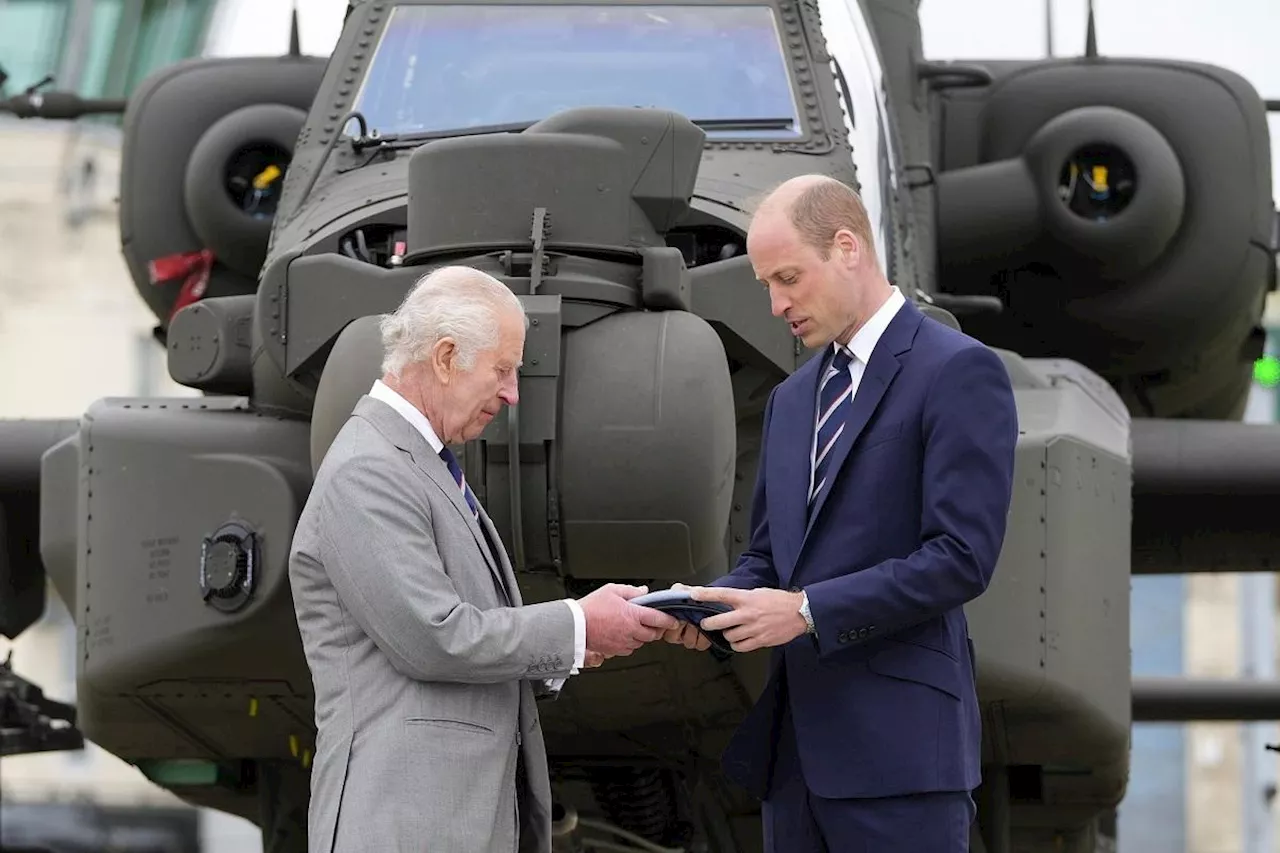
{"x": 791, "y": 439}
{"x": 508, "y": 574}
{"x": 402, "y": 434}
{"x": 876, "y": 378}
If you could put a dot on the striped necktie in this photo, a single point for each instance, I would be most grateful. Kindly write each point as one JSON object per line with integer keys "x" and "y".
{"x": 456, "y": 470}
{"x": 833, "y": 410}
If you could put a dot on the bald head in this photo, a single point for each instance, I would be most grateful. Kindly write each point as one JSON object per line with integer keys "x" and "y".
{"x": 810, "y": 244}
{"x": 818, "y": 207}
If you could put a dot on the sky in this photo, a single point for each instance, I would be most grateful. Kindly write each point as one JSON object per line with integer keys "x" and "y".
{"x": 1235, "y": 34}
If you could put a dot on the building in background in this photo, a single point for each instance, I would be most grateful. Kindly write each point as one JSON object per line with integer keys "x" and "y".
{"x": 73, "y": 330}
{"x": 98, "y": 48}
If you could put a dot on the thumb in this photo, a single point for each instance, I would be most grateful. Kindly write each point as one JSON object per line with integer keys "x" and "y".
{"x": 629, "y": 592}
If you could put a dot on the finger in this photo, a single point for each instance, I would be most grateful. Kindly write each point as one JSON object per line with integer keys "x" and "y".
{"x": 701, "y": 642}
{"x": 593, "y": 659}
{"x": 726, "y": 594}
{"x": 721, "y": 621}
{"x": 678, "y": 585}
{"x": 643, "y": 636}
{"x": 740, "y": 633}
{"x": 629, "y": 592}
{"x": 651, "y": 618}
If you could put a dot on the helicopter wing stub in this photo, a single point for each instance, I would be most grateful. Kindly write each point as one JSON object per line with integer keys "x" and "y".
{"x": 1204, "y": 494}
{"x": 22, "y": 573}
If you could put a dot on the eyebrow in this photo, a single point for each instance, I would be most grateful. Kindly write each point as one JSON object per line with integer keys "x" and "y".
{"x": 779, "y": 271}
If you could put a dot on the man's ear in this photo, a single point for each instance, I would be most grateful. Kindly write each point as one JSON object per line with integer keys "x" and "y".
{"x": 848, "y": 246}
{"x": 444, "y": 358}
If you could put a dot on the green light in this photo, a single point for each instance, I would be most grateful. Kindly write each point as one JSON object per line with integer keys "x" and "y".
{"x": 1266, "y": 371}
{"x": 181, "y": 771}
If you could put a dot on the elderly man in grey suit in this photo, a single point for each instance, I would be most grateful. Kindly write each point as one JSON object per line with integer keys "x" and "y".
{"x": 421, "y": 651}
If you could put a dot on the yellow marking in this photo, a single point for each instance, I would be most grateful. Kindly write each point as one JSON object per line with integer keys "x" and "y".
{"x": 306, "y": 758}
{"x": 265, "y": 178}
{"x": 1099, "y": 177}
{"x": 253, "y": 706}
{"x": 293, "y": 745}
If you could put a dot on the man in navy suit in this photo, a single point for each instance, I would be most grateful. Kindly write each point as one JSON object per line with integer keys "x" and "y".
{"x": 886, "y": 469}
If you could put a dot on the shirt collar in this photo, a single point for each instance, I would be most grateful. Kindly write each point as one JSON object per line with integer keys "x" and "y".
{"x": 383, "y": 392}
{"x": 865, "y": 339}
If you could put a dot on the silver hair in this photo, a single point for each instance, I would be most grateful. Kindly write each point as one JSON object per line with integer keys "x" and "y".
{"x": 450, "y": 302}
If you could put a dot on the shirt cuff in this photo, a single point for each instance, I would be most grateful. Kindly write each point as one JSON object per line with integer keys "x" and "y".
{"x": 579, "y": 635}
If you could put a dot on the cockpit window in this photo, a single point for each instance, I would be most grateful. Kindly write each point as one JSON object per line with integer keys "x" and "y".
{"x": 446, "y": 67}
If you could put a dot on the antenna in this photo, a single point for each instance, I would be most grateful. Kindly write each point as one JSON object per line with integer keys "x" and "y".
{"x": 295, "y": 41}
{"x": 1090, "y": 35}
{"x": 1048, "y": 29}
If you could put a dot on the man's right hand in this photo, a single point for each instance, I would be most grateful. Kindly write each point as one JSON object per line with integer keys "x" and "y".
{"x": 615, "y": 626}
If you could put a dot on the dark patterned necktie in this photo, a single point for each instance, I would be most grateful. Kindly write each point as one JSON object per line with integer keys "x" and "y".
{"x": 456, "y": 470}
{"x": 834, "y": 400}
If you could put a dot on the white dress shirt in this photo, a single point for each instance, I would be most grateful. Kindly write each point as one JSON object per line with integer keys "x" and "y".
{"x": 380, "y": 391}
{"x": 859, "y": 348}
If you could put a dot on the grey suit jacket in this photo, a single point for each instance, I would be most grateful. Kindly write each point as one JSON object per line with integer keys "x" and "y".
{"x": 422, "y": 671}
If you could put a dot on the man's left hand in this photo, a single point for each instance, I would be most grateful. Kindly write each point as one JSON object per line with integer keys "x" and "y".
{"x": 760, "y": 618}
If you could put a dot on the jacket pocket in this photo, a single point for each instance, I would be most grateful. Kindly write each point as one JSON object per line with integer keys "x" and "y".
{"x": 457, "y": 725}
{"x": 921, "y": 664}
{"x": 878, "y": 435}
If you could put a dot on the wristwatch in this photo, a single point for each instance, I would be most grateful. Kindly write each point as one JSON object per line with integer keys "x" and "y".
{"x": 804, "y": 612}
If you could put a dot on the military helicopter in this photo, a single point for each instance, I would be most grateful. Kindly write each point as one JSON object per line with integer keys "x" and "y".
{"x": 1105, "y": 224}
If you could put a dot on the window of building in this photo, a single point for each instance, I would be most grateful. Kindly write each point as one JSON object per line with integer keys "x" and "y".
{"x": 31, "y": 40}
{"x": 97, "y": 48}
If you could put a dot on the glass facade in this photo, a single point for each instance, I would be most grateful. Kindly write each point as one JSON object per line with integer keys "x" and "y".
{"x": 97, "y": 48}
{"x": 30, "y": 40}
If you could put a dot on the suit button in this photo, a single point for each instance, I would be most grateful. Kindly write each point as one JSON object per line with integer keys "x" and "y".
{"x": 862, "y": 633}
{"x": 844, "y": 637}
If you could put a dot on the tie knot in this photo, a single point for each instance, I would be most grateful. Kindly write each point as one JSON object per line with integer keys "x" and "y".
{"x": 842, "y": 359}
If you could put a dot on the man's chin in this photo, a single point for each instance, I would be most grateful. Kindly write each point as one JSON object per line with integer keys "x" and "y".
{"x": 815, "y": 340}
{"x": 476, "y": 427}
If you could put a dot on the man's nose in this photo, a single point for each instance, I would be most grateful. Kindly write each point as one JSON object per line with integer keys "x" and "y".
{"x": 778, "y": 304}
{"x": 510, "y": 392}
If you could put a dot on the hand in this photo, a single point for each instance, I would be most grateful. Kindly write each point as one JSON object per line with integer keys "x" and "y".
{"x": 687, "y": 635}
{"x": 761, "y": 618}
{"x": 617, "y": 627}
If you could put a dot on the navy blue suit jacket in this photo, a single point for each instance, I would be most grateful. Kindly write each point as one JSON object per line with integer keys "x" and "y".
{"x": 883, "y": 698}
